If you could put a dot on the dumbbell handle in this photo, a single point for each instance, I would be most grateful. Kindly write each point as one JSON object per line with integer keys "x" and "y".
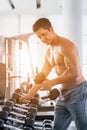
{"x": 23, "y": 110}
{"x": 24, "y": 115}
{"x": 21, "y": 106}
{"x": 11, "y": 104}
{"x": 11, "y": 127}
{"x": 17, "y": 114}
{"x": 16, "y": 120}
{"x": 22, "y": 122}
{"x": 16, "y": 108}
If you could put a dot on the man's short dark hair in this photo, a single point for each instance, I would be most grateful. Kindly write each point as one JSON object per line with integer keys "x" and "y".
{"x": 41, "y": 23}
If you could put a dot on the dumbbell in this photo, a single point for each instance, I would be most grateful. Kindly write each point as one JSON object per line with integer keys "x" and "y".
{"x": 27, "y": 122}
{"x": 24, "y": 106}
{"x": 17, "y": 96}
{"x": 46, "y": 124}
{"x": 33, "y": 100}
{"x": 10, "y": 127}
{"x": 19, "y": 110}
{"x": 31, "y": 114}
{"x": 39, "y": 78}
{"x": 33, "y": 103}
{"x": 53, "y": 94}
{"x": 19, "y": 91}
{"x": 15, "y": 115}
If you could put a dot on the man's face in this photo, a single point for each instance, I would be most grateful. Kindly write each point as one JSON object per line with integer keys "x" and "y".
{"x": 45, "y": 35}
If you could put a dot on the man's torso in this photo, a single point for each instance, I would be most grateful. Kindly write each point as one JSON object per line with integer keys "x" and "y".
{"x": 57, "y": 61}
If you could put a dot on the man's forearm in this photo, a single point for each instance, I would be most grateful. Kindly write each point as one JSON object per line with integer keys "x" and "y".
{"x": 32, "y": 92}
{"x": 66, "y": 76}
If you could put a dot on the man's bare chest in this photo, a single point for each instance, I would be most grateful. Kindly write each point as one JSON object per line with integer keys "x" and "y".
{"x": 56, "y": 57}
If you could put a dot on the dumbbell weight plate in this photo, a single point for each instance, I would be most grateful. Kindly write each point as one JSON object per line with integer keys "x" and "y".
{"x": 31, "y": 115}
{"x": 1, "y": 123}
{"x": 16, "y": 96}
{"x": 9, "y": 104}
{"x": 29, "y": 122}
{"x": 32, "y": 110}
{"x": 13, "y": 100}
{"x": 27, "y": 128}
{"x": 3, "y": 115}
{"x": 6, "y": 108}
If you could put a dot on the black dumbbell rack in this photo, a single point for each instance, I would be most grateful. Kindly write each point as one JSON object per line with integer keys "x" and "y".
{"x": 17, "y": 124}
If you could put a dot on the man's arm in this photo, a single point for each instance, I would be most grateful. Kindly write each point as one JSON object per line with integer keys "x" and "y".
{"x": 71, "y": 61}
{"x": 45, "y": 70}
{"x": 31, "y": 93}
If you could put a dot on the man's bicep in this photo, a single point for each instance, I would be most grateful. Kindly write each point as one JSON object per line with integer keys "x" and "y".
{"x": 72, "y": 62}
